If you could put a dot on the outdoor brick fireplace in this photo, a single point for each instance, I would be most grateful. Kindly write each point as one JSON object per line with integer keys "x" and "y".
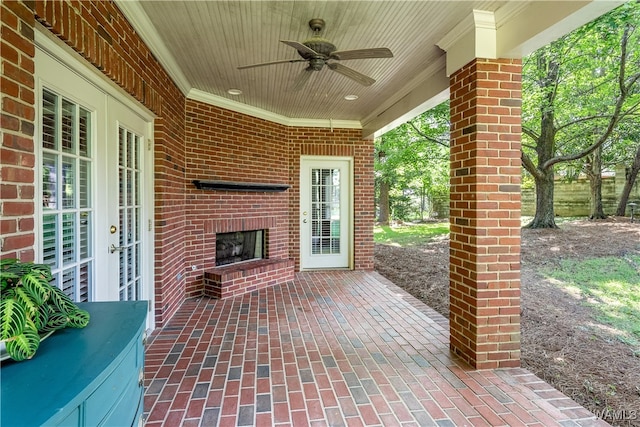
{"x": 243, "y": 253}
{"x": 239, "y": 246}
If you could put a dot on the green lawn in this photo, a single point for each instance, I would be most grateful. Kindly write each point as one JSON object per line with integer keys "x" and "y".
{"x": 610, "y": 285}
{"x": 409, "y": 235}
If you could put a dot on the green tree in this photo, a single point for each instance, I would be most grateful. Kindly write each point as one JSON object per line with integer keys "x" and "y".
{"x": 629, "y": 154}
{"x": 411, "y": 166}
{"x": 575, "y": 92}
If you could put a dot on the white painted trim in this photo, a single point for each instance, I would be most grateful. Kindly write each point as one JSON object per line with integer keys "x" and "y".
{"x": 524, "y": 28}
{"x": 461, "y": 30}
{"x": 509, "y": 11}
{"x": 140, "y": 21}
{"x": 351, "y": 209}
{"x": 474, "y": 37}
{"x": 208, "y": 98}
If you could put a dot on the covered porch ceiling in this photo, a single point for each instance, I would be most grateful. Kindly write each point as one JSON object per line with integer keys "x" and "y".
{"x": 201, "y": 44}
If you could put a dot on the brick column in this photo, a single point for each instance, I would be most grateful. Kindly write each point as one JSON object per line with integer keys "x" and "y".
{"x": 485, "y": 213}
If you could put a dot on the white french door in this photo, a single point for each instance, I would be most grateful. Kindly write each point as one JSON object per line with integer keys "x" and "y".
{"x": 325, "y": 212}
{"x": 94, "y": 198}
{"x": 127, "y": 141}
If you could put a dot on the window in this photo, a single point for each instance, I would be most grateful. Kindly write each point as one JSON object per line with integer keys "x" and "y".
{"x": 67, "y": 211}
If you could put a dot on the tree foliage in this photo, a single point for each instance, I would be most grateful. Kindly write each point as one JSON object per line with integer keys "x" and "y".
{"x": 412, "y": 164}
{"x": 576, "y": 91}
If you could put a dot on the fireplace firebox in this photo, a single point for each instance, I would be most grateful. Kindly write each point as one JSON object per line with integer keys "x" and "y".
{"x": 239, "y": 246}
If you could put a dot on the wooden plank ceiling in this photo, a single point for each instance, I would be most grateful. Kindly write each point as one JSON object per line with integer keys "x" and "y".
{"x": 210, "y": 39}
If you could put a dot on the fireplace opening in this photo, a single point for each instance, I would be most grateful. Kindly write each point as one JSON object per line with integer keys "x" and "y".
{"x": 239, "y": 246}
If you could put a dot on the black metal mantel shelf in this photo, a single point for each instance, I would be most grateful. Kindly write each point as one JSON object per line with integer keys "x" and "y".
{"x": 239, "y": 186}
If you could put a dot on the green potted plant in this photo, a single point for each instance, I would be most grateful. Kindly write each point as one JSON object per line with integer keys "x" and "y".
{"x": 31, "y": 307}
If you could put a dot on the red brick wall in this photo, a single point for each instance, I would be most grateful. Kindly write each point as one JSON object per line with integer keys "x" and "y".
{"x": 101, "y": 35}
{"x": 17, "y": 117}
{"x": 222, "y": 145}
{"x": 485, "y": 213}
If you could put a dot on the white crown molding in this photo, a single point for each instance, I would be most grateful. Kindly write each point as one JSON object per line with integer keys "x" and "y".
{"x": 477, "y": 19}
{"x": 474, "y": 37}
{"x": 458, "y": 32}
{"x": 484, "y": 20}
{"x": 208, "y": 98}
{"x": 140, "y": 21}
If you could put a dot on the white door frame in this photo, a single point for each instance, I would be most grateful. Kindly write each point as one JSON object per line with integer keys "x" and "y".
{"x": 305, "y": 227}
{"x": 55, "y": 59}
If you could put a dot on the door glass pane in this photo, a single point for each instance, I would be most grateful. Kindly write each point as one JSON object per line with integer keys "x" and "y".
{"x": 325, "y": 211}
{"x": 68, "y": 282}
{"x": 68, "y": 238}
{"x": 49, "y": 243}
{"x": 68, "y": 125}
{"x": 84, "y": 125}
{"x": 69, "y": 182}
{"x": 84, "y": 183}
{"x": 67, "y": 231}
{"x": 129, "y": 211}
{"x": 85, "y": 234}
{"x": 49, "y": 179}
{"x": 84, "y": 281}
{"x": 49, "y": 120}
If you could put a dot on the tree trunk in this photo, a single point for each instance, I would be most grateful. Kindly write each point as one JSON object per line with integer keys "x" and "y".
{"x": 594, "y": 173}
{"x": 423, "y": 193}
{"x": 630, "y": 179}
{"x": 545, "y": 215}
{"x": 383, "y": 217}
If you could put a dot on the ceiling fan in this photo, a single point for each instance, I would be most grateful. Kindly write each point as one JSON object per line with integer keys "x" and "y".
{"x": 318, "y": 51}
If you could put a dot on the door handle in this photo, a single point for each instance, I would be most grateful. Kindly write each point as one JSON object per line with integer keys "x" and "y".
{"x": 113, "y": 248}
{"x": 304, "y": 220}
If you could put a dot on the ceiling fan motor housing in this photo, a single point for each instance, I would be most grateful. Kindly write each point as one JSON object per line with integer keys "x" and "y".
{"x": 322, "y": 46}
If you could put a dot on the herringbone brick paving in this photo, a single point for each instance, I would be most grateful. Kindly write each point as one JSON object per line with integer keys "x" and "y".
{"x": 332, "y": 349}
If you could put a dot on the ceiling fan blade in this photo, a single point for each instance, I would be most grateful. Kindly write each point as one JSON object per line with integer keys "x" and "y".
{"x": 283, "y": 61}
{"x": 376, "y": 52}
{"x": 352, "y": 74}
{"x": 300, "y": 47}
{"x": 302, "y": 79}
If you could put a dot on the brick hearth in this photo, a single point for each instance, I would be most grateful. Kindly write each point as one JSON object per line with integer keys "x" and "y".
{"x": 243, "y": 277}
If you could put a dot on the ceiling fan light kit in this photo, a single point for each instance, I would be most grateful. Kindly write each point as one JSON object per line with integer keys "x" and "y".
{"x": 318, "y": 51}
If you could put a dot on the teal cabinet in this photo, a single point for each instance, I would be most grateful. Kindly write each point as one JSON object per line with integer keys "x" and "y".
{"x": 81, "y": 377}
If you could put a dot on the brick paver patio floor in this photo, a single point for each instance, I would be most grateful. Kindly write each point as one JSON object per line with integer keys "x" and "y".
{"x": 332, "y": 349}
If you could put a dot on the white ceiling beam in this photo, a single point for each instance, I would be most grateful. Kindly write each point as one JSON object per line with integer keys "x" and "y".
{"x": 524, "y": 27}
{"x": 423, "y": 92}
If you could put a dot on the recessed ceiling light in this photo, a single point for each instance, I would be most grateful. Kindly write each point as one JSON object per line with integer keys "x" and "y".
{"x": 234, "y": 92}
{"x": 351, "y": 97}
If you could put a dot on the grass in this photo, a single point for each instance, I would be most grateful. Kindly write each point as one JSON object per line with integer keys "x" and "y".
{"x": 611, "y": 286}
{"x": 559, "y": 219}
{"x": 409, "y": 235}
